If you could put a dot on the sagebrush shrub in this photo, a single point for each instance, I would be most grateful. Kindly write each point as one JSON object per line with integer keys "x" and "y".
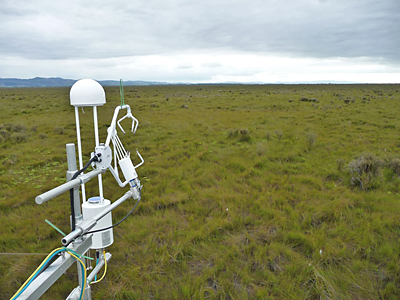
{"x": 394, "y": 165}
{"x": 365, "y": 170}
{"x": 311, "y": 138}
{"x": 279, "y": 134}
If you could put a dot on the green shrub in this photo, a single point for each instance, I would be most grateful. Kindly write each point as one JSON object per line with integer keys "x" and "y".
{"x": 340, "y": 164}
{"x": 59, "y": 130}
{"x": 15, "y": 127}
{"x": 19, "y": 137}
{"x": 311, "y": 138}
{"x": 268, "y": 136}
{"x": 394, "y": 165}
{"x": 365, "y": 171}
{"x": 233, "y": 133}
{"x": 243, "y": 134}
{"x": 5, "y": 135}
{"x": 279, "y": 134}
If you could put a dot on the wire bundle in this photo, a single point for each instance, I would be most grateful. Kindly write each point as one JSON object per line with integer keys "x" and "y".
{"x": 43, "y": 265}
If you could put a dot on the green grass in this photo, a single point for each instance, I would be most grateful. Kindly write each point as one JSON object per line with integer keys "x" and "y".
{"x": 249, "y": 191}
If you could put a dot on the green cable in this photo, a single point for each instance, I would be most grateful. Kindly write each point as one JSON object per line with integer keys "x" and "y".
{"x": 67, "y": 249}
{"x": 77, "y": 254}
{"x": 121, "y": 92}
{"x": 55, "y": 227}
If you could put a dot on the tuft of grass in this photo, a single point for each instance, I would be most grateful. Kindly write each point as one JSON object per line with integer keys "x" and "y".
{"x": 311, "y": 138}
{"x": 279, "y": 134}
{"x": 59, "y": 130}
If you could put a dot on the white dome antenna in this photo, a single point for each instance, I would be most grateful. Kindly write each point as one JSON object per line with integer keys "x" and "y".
{"x": 87, "y": 92}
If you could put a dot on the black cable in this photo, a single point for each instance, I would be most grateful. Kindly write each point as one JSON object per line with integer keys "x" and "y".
{"x": 71, "y": 191}
{"x": 49, "y": 262}
{"x": 116, "y": 224}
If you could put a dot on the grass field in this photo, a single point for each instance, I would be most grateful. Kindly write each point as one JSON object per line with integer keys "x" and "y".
{"x": 250, "y": 192}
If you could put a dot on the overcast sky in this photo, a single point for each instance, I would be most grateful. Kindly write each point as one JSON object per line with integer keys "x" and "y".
{"x": 203, "y": 40}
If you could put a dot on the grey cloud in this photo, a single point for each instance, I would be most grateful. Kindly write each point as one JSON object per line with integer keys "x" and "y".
{"x": 184, "y": 67}
{"x": 212, "y": 65}
{"x": 101, "y": 29}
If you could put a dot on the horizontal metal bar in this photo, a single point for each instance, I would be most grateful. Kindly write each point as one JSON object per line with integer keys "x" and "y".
{"x": 116, "y": 203}
{"x": 49, "y": 276}
{"x": 66, "y": 186}
{"x": 57, "y": 191}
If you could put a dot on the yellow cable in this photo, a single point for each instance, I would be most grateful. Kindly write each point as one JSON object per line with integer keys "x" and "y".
{"x": 105, "y": 269}
{"x": 84, "y": 268}
{"x": 44, "y": 261}
{"x": 30, "y": 277}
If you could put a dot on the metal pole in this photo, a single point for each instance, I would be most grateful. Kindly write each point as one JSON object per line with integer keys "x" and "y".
{"x": 71, "y": 158}
{"x": 78, "y": 137}
{"x": 96, "y": 137}
{"x": 67, "y": 186}
{"x": 57, "y": 191}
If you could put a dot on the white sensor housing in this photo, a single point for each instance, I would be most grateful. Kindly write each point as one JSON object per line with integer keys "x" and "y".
{"x": 90, "y": 209}
{"x": 87, "y": 92}
{"x": 128, "y": 169}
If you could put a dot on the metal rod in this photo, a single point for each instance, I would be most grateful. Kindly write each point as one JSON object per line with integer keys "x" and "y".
{"x": 98, "y": 267}
{"x": 57, "y": 191}
{"x": 78, "y": 137}
{"x": 66, "y": 186}
{"x": 96, "y": 137}
{"x": 113, "y": 206}
{"x": 71, "y": 158}
{"x": 113, "y": 123}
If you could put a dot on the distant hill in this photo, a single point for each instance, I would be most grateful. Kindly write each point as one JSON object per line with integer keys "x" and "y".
{"x": 59, "y": 82}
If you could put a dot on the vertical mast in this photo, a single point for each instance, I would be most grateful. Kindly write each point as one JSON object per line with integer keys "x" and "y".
{"x": 96, "y": 137}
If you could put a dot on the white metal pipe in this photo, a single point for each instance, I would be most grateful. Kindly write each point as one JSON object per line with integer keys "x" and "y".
{"x": 98, "y": 267}
{"x": 96, "y": 137}
{"x": 57, "y": 191}
{"x": 116, "y": 203}
{"x": 114, "y": 122}
{"x": 118, "y": 148}
{"x": 122, "y": 146}
{"x": 115, "y": 157}
{"x": 67, "y": 186}
{"x": 96, "y": 126}
{"x": 71, "y": 158}
{"x": 78, "y": 137}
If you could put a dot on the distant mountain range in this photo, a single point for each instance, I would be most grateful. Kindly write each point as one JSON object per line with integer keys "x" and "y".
{"x": 59, "y": 82}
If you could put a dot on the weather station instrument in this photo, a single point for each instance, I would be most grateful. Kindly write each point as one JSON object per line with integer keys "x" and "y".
{"x": 91, "y": 220}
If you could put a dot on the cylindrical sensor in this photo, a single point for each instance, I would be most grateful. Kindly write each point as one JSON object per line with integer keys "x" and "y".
{"x": 128, "y": 169}
{"x": 92, "y": 207}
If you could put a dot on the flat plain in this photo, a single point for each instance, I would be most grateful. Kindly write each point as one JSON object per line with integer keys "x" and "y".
{"x": 250, "y": 191}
